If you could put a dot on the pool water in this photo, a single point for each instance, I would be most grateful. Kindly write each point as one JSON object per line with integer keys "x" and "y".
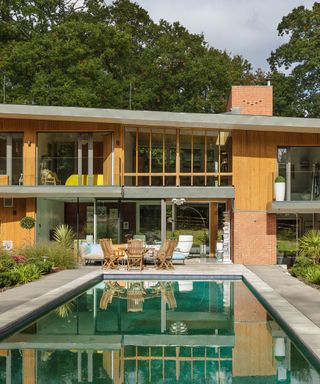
{"x": 156, "y": 332}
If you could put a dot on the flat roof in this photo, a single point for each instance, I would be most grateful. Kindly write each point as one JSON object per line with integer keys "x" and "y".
{"x": 226, "y": 121}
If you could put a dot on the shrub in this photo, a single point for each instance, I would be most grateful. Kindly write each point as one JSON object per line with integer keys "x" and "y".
{"x": 6, "y": 262}
{"x": 57, "y": 254}
{"x": 64, "y": 235}
{"x": 306, "y": 269}
{"x": 27, "y": 222}
{"x": 9, "y": 278}
{"x": 27, "y": 272}
{"x": 309, "y": 245}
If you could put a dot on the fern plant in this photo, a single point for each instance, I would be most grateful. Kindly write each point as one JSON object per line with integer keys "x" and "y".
{"x": 64, "y": 235}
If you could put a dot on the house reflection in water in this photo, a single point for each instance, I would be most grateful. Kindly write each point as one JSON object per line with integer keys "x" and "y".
{"x": 150, "y": 331}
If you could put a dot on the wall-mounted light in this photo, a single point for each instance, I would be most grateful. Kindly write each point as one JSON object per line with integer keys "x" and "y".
{"x": 29, "y": 143}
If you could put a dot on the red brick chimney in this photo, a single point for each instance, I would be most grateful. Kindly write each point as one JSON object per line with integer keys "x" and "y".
{"x": 251, "y": 100}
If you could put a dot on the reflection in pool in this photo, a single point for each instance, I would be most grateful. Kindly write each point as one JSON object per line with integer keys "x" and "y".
{"x": 156, "y": 332}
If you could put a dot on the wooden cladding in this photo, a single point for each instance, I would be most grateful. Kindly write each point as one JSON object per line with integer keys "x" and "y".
{"x": 254, "y": 162}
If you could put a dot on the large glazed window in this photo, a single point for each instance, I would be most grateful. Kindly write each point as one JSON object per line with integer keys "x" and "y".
{"x": 69, "y": 158}
{"x": 11, "y": 158}
{"x": 57, "y": 158}
{"x": 159, "y": 157}
{"x": 301, "y": 168}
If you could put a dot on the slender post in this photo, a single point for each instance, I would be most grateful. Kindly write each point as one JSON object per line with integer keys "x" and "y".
{"x": 163, "y": 220}
{"x": 90, "y": 160}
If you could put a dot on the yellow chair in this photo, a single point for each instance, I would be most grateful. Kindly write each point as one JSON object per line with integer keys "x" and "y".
{"x": 73, "y": 180}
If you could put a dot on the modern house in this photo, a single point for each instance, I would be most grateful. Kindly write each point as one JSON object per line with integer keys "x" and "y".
{"x": 117, "y": 173}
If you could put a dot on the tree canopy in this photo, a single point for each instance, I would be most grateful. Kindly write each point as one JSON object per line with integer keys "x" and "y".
{"x": 57, "y": 52}
{"x": 298, "y": 88}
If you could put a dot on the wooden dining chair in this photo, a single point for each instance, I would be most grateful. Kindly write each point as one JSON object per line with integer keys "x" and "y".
{"x": 135, "y": 253}
{"x": 110, "y": 254}
{"x": 164, "y": 256}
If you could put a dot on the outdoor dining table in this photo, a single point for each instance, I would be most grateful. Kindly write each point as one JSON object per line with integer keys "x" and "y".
{"x": 149, "y": 254}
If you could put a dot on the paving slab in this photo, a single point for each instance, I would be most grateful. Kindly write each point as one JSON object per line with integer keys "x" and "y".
{"x": 303, "y": 297}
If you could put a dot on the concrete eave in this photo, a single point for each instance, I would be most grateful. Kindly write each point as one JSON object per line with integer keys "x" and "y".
{"x": 161, "y": 119}
{"x": 61, "y": 191}
{"x": 178, "y": 192}
{"x": 295, "y": 207}
{"x": 58, "y": 191}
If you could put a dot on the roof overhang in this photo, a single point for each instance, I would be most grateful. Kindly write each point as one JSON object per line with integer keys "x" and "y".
{"x": 58, "y": 191}
{"x": 178, "y": 192}
{"x": 145, "y": 193}
{"x": 161, "y": 119}
{"x": 295, "y": 207}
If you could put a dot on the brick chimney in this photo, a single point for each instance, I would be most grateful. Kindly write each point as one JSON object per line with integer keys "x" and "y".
{"x": 251, "y": 100}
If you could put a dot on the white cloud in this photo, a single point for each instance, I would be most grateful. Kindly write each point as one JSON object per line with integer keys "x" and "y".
{"x": 245, "y": 27}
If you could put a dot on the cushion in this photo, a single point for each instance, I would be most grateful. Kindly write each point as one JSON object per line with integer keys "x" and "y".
{"x": 178, "y": 256}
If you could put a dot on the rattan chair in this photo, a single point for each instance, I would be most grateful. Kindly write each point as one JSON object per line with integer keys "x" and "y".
{"x": 135, "y": 253}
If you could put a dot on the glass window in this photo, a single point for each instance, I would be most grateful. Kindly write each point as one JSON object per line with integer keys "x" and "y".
{"x": 305, "y": 173}
{"x": 212, "y": 151}
{"x": 3, "y": 154}
{"x": 199, "y": 152}
{"x": 15, "y": 140}
{"x": 170, "y": 150}
{"x": 185, "y": 151}
{"x": 225, "y": 152}
{"x": 130, "y": 150}
{"x": 150, "y": 221}
{"x": 17, "y": 157}
{"x": 58, "y": 158}
{"x": 157, "y": 150}
{"x": 143, "y": 150}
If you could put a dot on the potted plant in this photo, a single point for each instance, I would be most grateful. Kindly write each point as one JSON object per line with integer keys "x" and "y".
{"x": 28, "y": 222}
{"x": 280, "y": 188}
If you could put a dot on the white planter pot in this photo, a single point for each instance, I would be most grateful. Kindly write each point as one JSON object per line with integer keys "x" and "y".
{"x": 279, "y": 191}
{"x": 219, "y": 245}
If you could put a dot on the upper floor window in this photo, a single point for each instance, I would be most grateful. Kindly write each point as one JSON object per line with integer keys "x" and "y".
{"x": 69, "y": 158}
{"x": 11, "y": 158}
{"x": 158, "y": 157}
{"x": 301, "y": 168}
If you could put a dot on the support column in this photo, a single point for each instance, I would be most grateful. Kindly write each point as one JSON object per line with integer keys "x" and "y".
{"x": 254, "y": 237}
{"x": 79, "y": 160}
{"x": 163, "y": 220}
{"x": 90, "y": 160}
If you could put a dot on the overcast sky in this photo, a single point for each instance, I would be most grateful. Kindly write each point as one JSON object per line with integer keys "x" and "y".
{"x": 245, "y": 27}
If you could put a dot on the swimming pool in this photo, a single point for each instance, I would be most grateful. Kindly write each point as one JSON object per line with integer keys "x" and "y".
{"x": 159, "y": 332}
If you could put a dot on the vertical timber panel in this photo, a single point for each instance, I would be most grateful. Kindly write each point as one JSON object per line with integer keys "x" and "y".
{"x": 29, "y": 154}
{"x": 29, "y": 366}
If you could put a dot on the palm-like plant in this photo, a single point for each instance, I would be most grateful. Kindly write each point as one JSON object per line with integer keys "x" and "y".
{"x": 64, "y": 235}
{"x": 309, "y": 245}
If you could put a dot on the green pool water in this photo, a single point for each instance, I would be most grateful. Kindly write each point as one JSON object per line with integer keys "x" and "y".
{"x": 156, "y": 332}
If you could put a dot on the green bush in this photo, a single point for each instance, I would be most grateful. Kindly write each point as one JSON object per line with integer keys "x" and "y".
{"x": 27, "y": 272}
{"x": 306, "y": 269}
{"x": 57, "y": 254}
{"x": 6, "y": 262}
{"x": 309, "y": 245}
{"x": 9, "y": 278}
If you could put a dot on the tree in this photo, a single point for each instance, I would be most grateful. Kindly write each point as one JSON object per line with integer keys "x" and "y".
{"x": 94, "y": 55}
{"x": 300, "y": 57}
